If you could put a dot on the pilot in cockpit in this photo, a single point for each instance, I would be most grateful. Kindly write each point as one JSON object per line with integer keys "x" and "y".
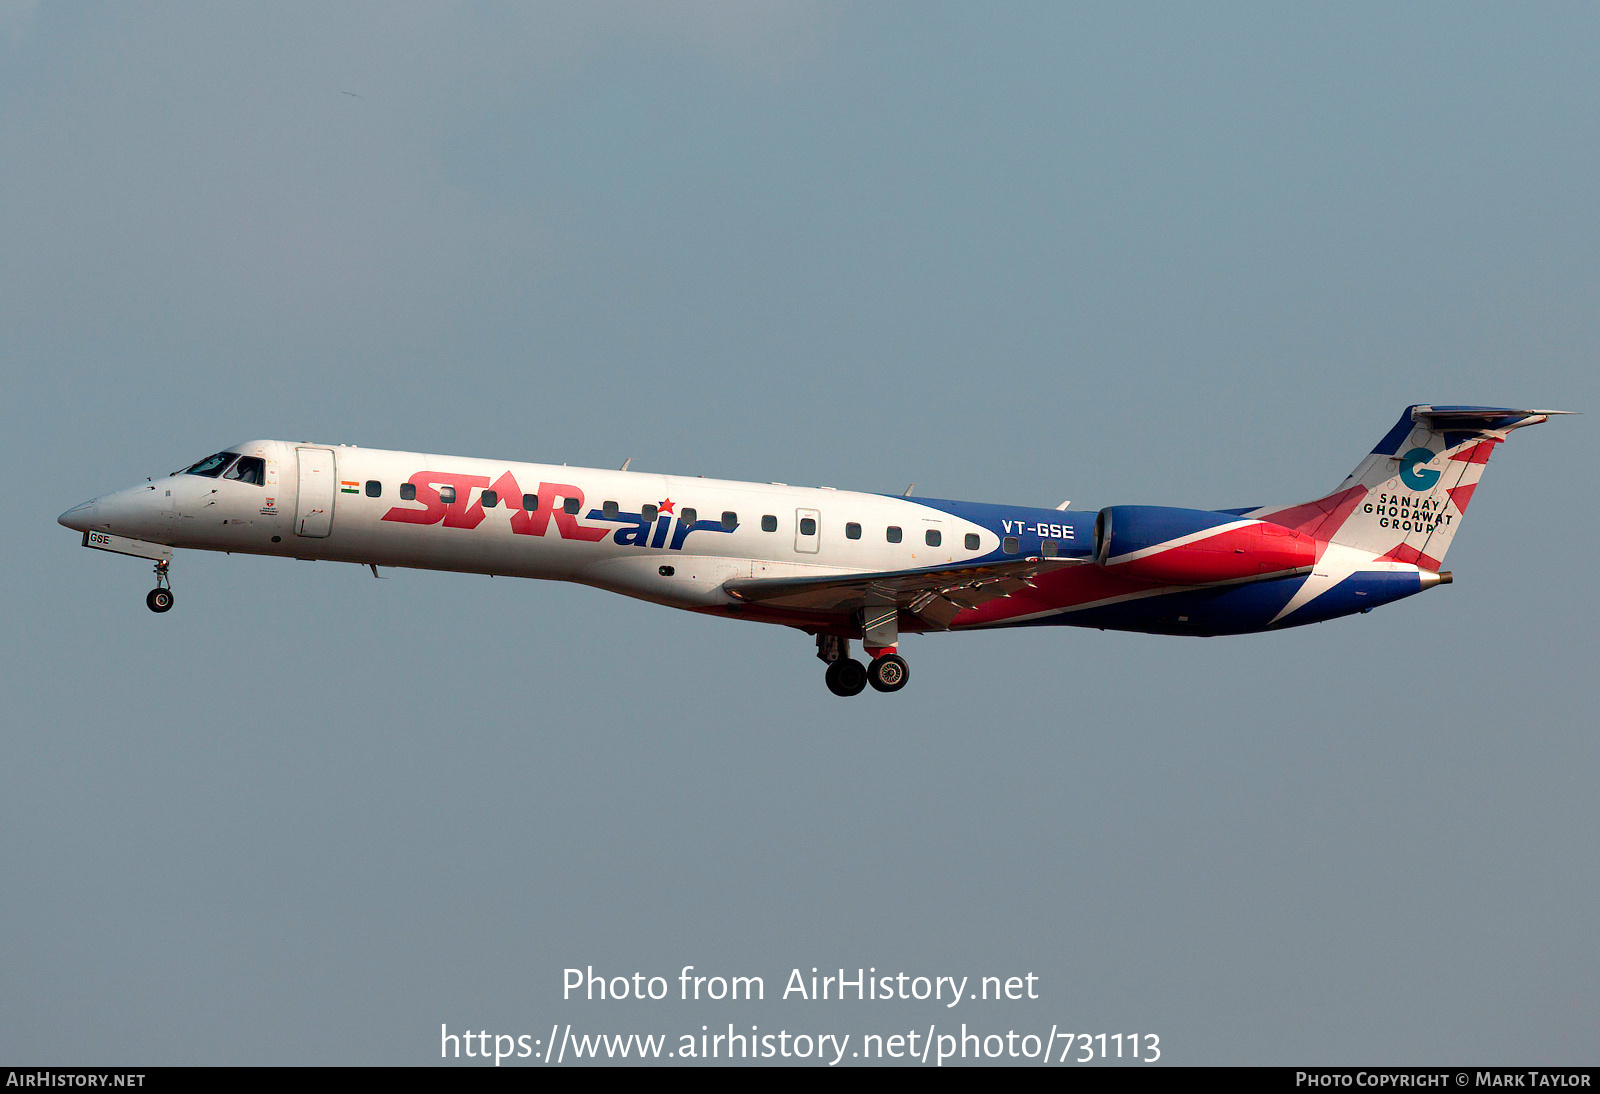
{"x": 231, "y": 465}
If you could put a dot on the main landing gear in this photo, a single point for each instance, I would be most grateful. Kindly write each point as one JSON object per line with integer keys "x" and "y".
{"x": 847, "y": 676}
{"x": 159, "y": 599}
{"x": 888, "y": 671}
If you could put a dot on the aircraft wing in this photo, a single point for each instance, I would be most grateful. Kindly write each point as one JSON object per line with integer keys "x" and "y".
{"x": 937, "y": 594}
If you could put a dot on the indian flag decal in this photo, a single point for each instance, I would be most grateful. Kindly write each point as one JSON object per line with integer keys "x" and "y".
{"x": 348, "y": 487}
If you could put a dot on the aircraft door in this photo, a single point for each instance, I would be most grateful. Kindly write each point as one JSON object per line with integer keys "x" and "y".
{"x": 313, "y": 516}
{"x": 807, "y": 531}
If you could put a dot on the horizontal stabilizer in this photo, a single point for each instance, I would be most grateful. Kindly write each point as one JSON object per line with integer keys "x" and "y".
{"x": 1483, "y": 417}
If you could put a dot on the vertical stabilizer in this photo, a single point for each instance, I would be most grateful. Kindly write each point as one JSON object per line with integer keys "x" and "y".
{"x": 1406, "y": 500}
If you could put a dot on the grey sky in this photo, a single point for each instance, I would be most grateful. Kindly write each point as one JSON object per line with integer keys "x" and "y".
{"x": 1160, "y": 254}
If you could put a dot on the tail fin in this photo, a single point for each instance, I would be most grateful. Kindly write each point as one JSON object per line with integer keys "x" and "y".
{"x": 1405, "y": 501}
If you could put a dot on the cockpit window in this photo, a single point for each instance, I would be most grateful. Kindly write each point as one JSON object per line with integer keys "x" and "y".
{"x": 251, "y": 469}
{"x": 212, "y": 466}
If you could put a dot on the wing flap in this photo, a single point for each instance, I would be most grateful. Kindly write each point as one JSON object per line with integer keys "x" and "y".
{"x": 936, "y": 595}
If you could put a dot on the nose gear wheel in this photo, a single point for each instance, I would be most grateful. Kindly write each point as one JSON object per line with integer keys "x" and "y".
{"x": 159, "y": 599}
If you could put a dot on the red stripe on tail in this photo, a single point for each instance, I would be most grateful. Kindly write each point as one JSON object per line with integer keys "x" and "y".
{"x": 1478, "y": 453}
{"x": 1320, "y": 518}
{"x": 1461, "y": 495}
{"x": 1408, "y": 554}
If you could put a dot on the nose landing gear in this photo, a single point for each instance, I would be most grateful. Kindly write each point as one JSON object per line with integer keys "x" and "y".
{"x": 159, "y": 599}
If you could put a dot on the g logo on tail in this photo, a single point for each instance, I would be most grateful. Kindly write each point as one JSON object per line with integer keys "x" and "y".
{"x": 1411, "y": 472}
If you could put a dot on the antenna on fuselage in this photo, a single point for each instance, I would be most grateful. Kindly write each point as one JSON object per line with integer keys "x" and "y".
{"x": 625, "y": 464}
{"x": 910, "y": 488}
{"x": 1063, "y": 506}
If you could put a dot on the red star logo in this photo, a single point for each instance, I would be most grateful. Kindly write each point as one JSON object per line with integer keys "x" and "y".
{"x": 665, "y": 507}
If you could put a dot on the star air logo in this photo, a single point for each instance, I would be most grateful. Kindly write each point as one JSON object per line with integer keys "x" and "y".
{"x": 464, "y": 501}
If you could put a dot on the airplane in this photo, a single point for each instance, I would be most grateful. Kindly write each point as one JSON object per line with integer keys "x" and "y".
{"x": 838, "y": 565}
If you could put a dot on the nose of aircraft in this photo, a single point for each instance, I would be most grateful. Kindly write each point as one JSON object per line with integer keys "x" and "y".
{"x": 140, "y": 512}
{"x": 79, "y": 517}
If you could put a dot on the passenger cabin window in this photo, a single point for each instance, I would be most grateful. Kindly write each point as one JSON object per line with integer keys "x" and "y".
{"x": 769, "y": 523}
{"x": 808, "y": 526}
{"x": 212, "y": 466}
{"x": 408, "y": 491}
{"x": 932, "y": 536}
{"x": 852, "y": 531}
{"x": 571, "y": 505}
{"x": 647, "y": 513}
{"x": 447, "y": 494}
{"x": 730, "y": 521}
{"x": 1010, "y": 545}
{"x": 530, "y": 502}
{"x": 374, "y": 488}
{"x": 1049, "y": 548}
{"x": 688, "y": 517}
{"x": 490, "y": 499}
{"x": 250, "y": 469}
{"x": 973, "y": 543}
{"x": 610, "y": 510}
{"x": 893, "y": 534}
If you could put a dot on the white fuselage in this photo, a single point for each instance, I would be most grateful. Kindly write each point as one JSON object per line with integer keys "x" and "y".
{"x": 345, "y": 504}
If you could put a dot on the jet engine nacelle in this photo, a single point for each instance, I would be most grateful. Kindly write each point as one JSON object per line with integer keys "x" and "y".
{"x": 1195, "y": 546}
